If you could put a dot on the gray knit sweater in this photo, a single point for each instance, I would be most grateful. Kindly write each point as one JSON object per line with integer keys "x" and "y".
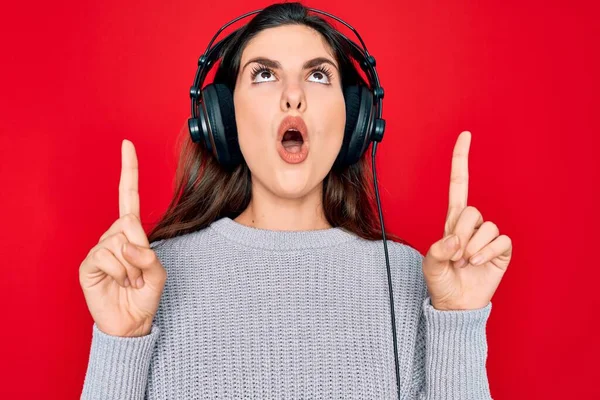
{"x": 250, "y": 313}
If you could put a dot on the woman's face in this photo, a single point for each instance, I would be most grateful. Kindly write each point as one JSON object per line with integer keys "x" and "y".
{"x": 283, "y": 83}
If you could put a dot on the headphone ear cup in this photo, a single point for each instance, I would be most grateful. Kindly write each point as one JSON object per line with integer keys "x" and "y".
{"x": 359, "y": 114}
{"x": 352, "y": 102}
{"x": 222, "y": 129}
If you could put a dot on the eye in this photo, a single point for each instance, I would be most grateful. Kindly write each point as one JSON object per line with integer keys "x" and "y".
{"x": 322, "y": 75}
{"x": 262, "y": 72}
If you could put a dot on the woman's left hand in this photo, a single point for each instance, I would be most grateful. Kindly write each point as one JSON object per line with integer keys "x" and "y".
{"x": 455, "y": 278}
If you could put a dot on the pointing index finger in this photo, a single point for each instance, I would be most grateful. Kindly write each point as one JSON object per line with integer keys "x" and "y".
{"x": 459, "y": 180}
{"x": 129, "y": 198}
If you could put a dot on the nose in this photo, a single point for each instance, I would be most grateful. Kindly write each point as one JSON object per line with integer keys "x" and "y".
{"x": 293, "y": 98}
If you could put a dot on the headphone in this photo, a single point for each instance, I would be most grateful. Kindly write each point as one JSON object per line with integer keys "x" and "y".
{"x": 213, "y": 115}
{"x": 213, "y": 122}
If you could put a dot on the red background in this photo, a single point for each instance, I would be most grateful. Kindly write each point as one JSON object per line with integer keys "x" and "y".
{"x": 78, "y": 77}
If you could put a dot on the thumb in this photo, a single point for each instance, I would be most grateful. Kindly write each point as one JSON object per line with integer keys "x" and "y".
{"x": 443, "y": 250}
{"x": 143, "y": 258}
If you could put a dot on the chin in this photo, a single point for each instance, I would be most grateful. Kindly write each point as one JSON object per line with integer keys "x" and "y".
{"x": 293, "y": 183}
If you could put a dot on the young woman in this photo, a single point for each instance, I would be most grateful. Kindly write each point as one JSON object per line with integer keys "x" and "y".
{"x": 277, "y": 284}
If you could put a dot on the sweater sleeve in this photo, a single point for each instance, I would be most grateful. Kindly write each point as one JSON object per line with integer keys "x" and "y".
{"x": 118, "y": 366}
{"x": 451, "y": 351}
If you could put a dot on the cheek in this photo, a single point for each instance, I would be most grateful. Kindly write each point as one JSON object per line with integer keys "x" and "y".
{"x": 253, "y": 120}
{"x": 334, "y": 111}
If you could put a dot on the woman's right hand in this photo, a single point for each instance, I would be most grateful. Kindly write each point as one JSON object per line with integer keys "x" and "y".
{"x": 122, "y": 289}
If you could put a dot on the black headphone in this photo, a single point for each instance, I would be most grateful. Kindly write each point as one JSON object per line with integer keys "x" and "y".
{"x": 213, "y": 115}
{"x": 213, "y": 121}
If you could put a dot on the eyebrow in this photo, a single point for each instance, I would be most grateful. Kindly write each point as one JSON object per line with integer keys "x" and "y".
{"x": 277, "y": 65}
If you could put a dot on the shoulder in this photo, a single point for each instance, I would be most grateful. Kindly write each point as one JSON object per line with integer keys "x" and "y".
{"x": 399, "y": 253}
{"x": 403, "y": 250}
{"x": 407, "y": 260}
{"x": 406, "y": 266}
{"x": 181, "y": 243}
{"x": 403, "y": 257}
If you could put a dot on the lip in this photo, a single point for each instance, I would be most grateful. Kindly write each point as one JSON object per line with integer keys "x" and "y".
{"x": 293, "y": 122}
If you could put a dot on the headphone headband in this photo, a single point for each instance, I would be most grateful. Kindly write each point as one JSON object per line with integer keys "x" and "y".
{"x": 366, "y": 61}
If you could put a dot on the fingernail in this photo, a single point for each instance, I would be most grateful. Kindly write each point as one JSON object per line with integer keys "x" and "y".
{"x": 130, "y": 250}
{"x": 460, "y": 263}
{"x": 139, "y": 282}
{"x": 460, "y": 253}
{"x": 477, "y": 259}
{"x": 451, "y": 242}
{"x": 127, "y": 283}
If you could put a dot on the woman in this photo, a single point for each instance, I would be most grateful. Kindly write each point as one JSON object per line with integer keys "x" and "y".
{"x": 276, "y": 276}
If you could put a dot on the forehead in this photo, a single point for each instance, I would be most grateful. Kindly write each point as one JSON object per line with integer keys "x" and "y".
{"x": 287, "y": 43}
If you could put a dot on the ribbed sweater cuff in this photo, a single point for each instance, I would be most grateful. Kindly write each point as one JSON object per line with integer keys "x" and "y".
{"x": 456, "y": 353}
{"x": 118, "y": 366}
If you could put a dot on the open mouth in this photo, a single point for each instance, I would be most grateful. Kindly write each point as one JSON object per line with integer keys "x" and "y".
{"x": 292, "y": 141}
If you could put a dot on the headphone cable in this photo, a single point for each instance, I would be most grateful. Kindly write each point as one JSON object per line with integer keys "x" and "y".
{"x": 387, "y": 261}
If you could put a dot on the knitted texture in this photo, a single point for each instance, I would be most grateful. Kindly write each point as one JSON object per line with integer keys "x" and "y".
{"x": 251, "y": 313}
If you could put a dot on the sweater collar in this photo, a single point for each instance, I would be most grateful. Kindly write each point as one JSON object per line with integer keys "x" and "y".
{"x": 280, "y": 240}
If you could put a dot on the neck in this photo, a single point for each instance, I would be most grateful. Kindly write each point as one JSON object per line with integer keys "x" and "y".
{"x": 266, "y": 210}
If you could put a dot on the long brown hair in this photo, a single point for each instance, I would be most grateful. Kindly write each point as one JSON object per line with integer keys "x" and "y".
{"x": 206, "y": 192}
